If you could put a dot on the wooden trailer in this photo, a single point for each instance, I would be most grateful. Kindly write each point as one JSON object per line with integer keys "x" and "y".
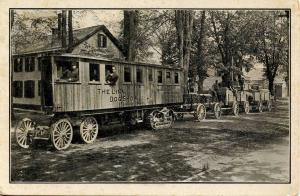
{"x": 228, "y": 100}
{"x": 87, "y": 96}
{"x": 199, "y": 105}
{"x": 260, "y": 100}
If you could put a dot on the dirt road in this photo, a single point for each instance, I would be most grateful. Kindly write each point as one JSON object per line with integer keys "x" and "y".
{"x": 248, "y": 148}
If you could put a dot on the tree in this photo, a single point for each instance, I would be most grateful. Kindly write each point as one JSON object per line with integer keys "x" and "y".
{"x": 271, "y": 44}
{"x": 130, "y": 34}
{"x": 231, "y": 33}
{"x": 184, "y": 27}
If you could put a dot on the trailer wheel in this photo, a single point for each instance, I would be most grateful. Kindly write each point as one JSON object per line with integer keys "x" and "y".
{"x": 88, "y": 130}
{"x": 61, "y": 134}
{"x": 260, "y": 106}
{"x": 201, "y": 112}
{"x": 246, "y": 107}
{"x": 22, "y": 132}
{"x": 217, "y": 111}
{"x": 235, "y": 109}
{"x": 269, "y": 104}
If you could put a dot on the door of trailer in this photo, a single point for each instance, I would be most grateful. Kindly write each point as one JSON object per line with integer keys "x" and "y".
{"x": 46, "y": 82}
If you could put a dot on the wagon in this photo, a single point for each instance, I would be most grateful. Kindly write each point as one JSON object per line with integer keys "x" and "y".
{"x": 243, "y": 100}
{"x": 199, "y": 105}
{"x": 260, "y": 100}
{"x": 228, "y": 100}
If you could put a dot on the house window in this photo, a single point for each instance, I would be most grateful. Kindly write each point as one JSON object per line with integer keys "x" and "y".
{"x": 150, "y": 75}
{"x": 39, "y": 64}
{"x": 139, "y": 75}
{"x": 29, "y": 64}
{"x": 18, "y": 65}
{"x": 102, "y": 41}
{"x": 68, "y": 71}
{"x": 127, "y": 74}
{"x": 94, "y": 72}
{"x": 168, "y": 77}
{"x": 39, "y": 88}
{"x": 17, "y": 89}
{"x": 176, "y": 78}
{"x": 29, "y": 89}
{"x": 159, "y": 76}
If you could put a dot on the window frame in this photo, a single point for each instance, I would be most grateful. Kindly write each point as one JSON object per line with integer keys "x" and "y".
{"x": 150, "y": 70}
{"x": 178, "y": 77}
{"x": 130, "y": 68}
{"x": 99, "y": 76}
{"x": 168, "y": 79}
{"x": 32, "y": 95}
{"x": 102, "y": 40}
{"x": 21, "y": 89}
{"x": 18, "y": 67}
{"x": 29, "y": 64}
{"x": 141, "y": 77}
{"x": 158, "y": 75}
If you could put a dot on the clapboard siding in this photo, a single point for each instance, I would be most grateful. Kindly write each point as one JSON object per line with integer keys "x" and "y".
{"x": 86, "y": 95}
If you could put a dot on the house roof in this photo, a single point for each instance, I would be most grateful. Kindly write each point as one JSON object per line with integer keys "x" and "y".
{"x": 50, "y": 43}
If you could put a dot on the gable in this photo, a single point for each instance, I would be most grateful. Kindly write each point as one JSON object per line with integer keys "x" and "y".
{"x": 92, "y": 46}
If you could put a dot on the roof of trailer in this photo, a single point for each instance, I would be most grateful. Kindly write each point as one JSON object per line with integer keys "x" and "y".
{"x": 117, "y": 61}
{"x": 49, "y": 44}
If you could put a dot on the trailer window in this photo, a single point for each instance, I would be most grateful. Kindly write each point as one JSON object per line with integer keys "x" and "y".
{"x": 176, "y": 78}
{"x": 150, "y": 75}
{"x": 18, "y": 65}
{"x": 29, "y": 89}
{"x": 127, "y": 74}
{"x": 68, "y": 71}
{"x": 159, "y": 77}
{"x": 18, "y": 89}
{"x": 29, "y": 64}
{"x": 139, "y": 75}
{"x": 94, "y": 72}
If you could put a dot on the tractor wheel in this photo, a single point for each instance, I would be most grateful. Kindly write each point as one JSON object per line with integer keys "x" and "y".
{"x": 246, "y": 107}
{"x": 201, "y": 112}
{"x": 217, "y": 111}
{"x": 235, "y": 109}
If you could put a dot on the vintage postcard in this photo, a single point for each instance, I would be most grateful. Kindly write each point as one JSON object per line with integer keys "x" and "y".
{"x": 149, "y": 98}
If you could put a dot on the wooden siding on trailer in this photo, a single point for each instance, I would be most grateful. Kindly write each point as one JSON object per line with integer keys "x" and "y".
{"x": 87, "y": 95}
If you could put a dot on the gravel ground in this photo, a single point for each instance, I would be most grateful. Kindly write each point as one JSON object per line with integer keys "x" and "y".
{"x": 248, "y": 148}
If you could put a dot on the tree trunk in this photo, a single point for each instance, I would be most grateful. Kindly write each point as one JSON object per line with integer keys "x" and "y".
{"x": 130, "y": 34}
{"x": 271, "y": 85}
{"x": 200, "y": 55}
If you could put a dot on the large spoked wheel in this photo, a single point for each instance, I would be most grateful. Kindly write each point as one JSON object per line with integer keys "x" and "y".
{"x": 260, "y": 107}
{"x": 89, "y": 130}
{"x": 235, "y": 109}
{"x": 246, "y": 107}
{"x": 22, "y": 132}
{"x": 61, "y": 134}
{"x": 217, "y": 111}
{"x": 201, "y": 112}
{"x": 269, "y": 105}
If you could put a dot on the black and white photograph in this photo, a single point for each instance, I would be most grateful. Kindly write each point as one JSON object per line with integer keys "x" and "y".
{"x": 150, "y": 96}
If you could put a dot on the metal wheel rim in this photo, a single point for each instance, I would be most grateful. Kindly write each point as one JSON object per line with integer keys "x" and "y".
{"x": 21, "y": 132}
{"x": 260, "y": 107}
{"x": 235, "y": 109}
{"x": 269, "y": 106}
{"x": 201, "y": 112}
{"x": 246, "y": 107}
{"x": 89, "y": 130}
{"x": 154, "y": 120}
{"x": 62, "y": 134}
{"x": 218, "y": 111}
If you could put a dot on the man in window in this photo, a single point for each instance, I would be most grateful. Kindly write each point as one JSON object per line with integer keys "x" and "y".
{"x": 112, "y": 77}
{"x": 71, "y": 75}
